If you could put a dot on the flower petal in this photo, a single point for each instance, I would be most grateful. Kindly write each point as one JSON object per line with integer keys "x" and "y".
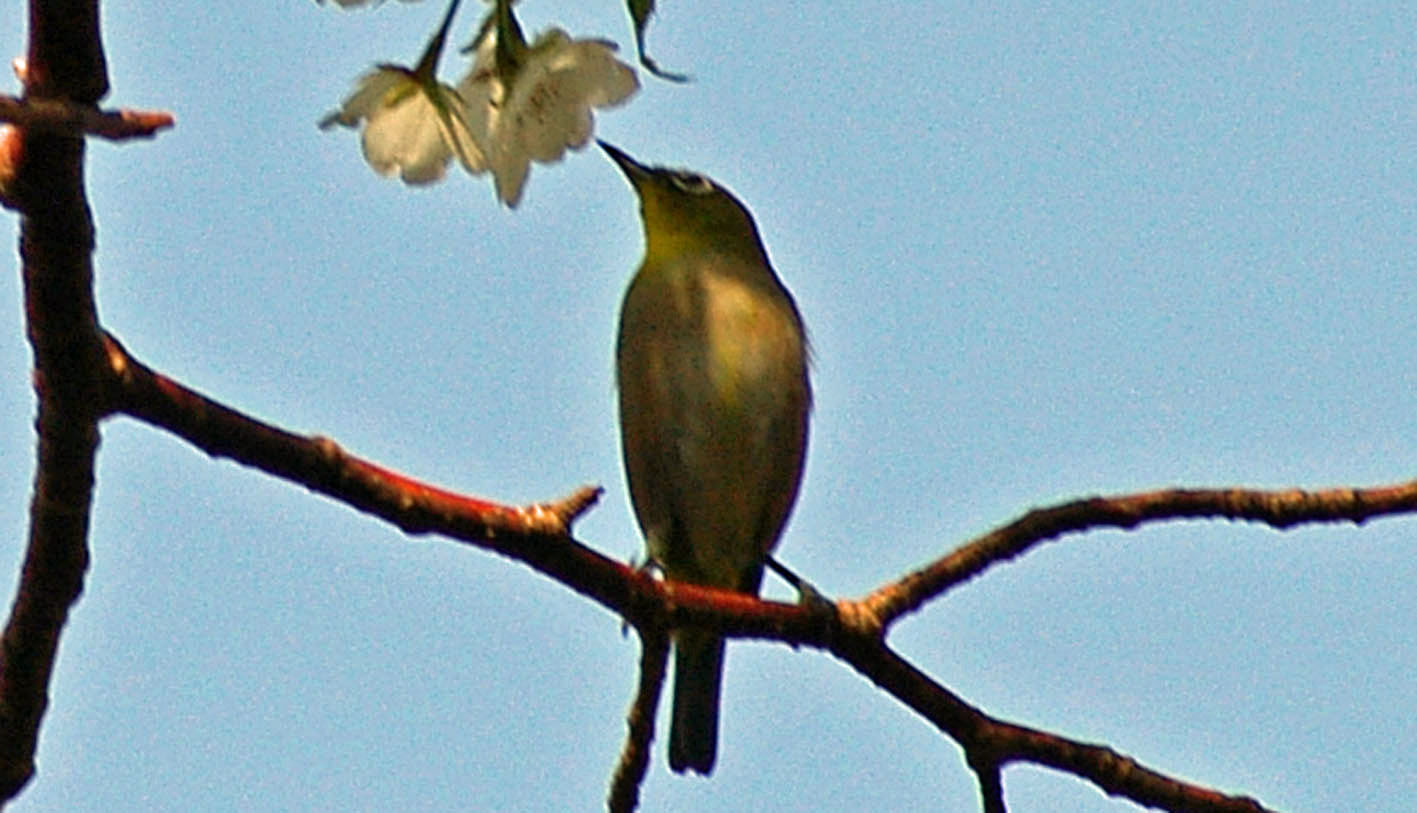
{"x": 542, "y": 109}
{"x": 457, "y": 130}
{"x": 510, "y": 173}
{"x": 407, "y": 136}
{"x": 368, "y": 96}
{"x": 594, "y": 74}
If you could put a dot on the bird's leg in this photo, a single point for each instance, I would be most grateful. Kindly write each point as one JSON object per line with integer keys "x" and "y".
{"x": 649, "y": 567}
{"x": 807, "y": 595}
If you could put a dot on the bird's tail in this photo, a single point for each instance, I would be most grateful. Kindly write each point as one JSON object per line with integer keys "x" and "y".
{"x": 698, "y": 675}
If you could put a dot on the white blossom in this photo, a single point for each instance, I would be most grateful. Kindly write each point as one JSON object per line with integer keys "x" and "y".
{"x": 411, "y": 126}
{"x": 537, "y": 108}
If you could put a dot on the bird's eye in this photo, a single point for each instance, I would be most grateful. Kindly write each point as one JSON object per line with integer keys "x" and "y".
{"x": 691, "y": 182}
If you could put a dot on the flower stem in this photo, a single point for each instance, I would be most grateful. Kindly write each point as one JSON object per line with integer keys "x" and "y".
{"x": 428, "y": 63}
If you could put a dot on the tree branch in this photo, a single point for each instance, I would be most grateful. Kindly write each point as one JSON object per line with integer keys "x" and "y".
{"x": 634, "y": 759}
{"x": 319, "y": 464}
{"x": 539, "y": 537}
{"x": 847, "y": 631}
{"x": 1279, "y": 509}
{"x": 991, "y": 742}
{"x": 538, "y": 534}
{"x": 56, "y": 247}
{"x": 852, "y": 630}
{"x": 63, "y": 117}
{"x": 991, "y": 786}
{"x": 65, "y": 59}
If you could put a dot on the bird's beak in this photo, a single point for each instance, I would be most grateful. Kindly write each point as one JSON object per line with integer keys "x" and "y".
{"x": 633, "y": 169}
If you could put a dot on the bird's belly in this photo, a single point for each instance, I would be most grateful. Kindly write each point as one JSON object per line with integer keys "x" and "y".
{"x": 737, "y": 397}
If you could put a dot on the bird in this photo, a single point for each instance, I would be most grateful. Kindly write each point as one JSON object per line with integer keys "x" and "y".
{"x": 711, "y": 366}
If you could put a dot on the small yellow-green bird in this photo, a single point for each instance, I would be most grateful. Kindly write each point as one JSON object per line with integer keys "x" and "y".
{"x": 711, "y": 364}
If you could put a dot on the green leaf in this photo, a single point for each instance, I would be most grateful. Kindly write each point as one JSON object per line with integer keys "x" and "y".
{"x": 640, "y": 11}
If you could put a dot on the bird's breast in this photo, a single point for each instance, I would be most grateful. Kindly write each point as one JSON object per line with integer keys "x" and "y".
{"x": 753, "y": 346}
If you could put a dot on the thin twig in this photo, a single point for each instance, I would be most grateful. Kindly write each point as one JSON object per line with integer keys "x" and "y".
{"x": 991, "y": 785}
{"x": 537, "y": 534}
{"x": 1278, "y": 509}
{"x": 63, "y": 117}
{"x": 990, "y": 741}
{"x": 634, "y": 758}
{"x": 321, "y": 465}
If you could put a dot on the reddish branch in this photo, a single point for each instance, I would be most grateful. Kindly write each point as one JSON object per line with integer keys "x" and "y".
{"x": 538, "y": 534}
{"x": 846, "y": 631}
{"x": 63, "y": 117}
{"x": 319, "y": 464}
{"x": 990, "y": 744}
{"x": 853, "y": 631}
{"x": 1278, "y": 509}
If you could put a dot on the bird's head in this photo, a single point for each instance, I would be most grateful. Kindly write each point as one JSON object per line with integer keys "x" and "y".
{"x": 684, "y": 210}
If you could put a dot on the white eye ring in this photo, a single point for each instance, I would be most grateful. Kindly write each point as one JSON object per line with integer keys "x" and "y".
{"x": 691, "y": 182}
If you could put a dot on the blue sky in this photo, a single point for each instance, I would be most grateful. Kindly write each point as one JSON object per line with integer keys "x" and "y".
{"x": 1043, "y": 252}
